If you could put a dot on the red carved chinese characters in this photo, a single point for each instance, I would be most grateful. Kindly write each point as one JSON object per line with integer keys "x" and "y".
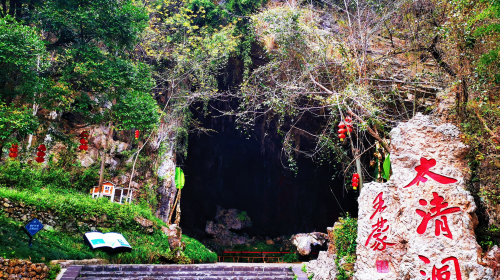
{"x": 438, "y": 210}
{"x": 378, "y": 205}
{"x": 442, "y": 273}
{"x": 380, "y": 244}
{"x": 423, "y": 169}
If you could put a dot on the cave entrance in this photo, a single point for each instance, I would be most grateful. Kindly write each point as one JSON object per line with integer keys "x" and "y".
{"x": 230, "y": 169}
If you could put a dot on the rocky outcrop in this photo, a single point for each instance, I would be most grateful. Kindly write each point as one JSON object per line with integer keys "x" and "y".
{"x": 22, "y": 269}
{"x": 304, "y": 241}
{"x": 420, "y": 224}
{"x": 226, "y": 220}
{"x": 323, "y": 268}
{"x": 492, "y": 260}
{"x": 174, "y": 234}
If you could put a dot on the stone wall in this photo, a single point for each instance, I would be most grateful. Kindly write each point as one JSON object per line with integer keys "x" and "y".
{"x": 20, "y": 212}
{"x": 22, "y": 269}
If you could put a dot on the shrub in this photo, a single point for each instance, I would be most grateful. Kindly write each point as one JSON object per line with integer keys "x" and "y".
{"x": 345, "y": 243}
{"x": 53, "y": 271}
{"x": 197, "y": 252}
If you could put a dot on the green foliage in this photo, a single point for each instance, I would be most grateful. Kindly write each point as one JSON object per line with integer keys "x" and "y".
{"x": 488, "y": 237}
{"x": 488, "y": 65}
{"x": 290, "y": 258}
{"x": 197, "y": 252}
{"x": 179, "y": 178}
{"x": 51, "y": 245}
{"x": 72, "y": 205}
{"x": 345, "y": 243}
{"x": 115, "y": 23}
{"x": 12, "y": 119}
{"x": 387, "y": 167}
{"x": 22, "y": 56}
{"x": 69, "y": 178}
{"x": 136, "y": 110}
{"x": 304, "y": 268}
{"x": 243, "y": 216}
{"x": 53, "y": 271}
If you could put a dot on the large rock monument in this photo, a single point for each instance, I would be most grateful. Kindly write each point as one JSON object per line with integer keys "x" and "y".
{"x": 420, "y": 224}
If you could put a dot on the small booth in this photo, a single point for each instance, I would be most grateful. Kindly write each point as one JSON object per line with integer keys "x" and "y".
{"x": 116, "y": 194}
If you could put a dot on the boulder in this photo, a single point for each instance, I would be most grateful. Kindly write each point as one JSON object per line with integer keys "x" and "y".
{"x": 420, "y": 224}
{"x": 492, "y": 260}
{"x": 227, "y": 219}
{"x": 304, "y": 241}
{"x": 174, "y": 234}
{"x": 324, "y": 267}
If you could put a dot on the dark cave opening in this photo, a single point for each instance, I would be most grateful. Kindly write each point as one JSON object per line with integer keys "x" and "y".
{"x": 230, "y": 169}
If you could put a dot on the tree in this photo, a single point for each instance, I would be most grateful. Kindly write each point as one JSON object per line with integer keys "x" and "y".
{"x": 92, "y": 43}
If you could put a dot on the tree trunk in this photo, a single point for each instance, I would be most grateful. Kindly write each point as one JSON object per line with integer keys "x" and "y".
{"x": 4, "y": 8}
{"x": 178, "y": 212}
{"x": 12, "y": 7}
{"x": 103, "y": 158}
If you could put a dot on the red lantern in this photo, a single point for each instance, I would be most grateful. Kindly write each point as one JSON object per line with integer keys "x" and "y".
{"x": 355, "y": 175}
{"x": 349, "y": 128}
{"x": 341, "y": 125}
{"x": 40, "y": 154}
{"x": 348, "y": 119}
{"x": 354, "y": 179}
{"x": 342, "y": 136}
{"x": 42, "y": 148}
{"x": 39, "y": 159}
{"x": 342, "y": 130}
{"x": 84, "y": 134}
{"x": 136, "y": 134}
{"x": 13, "y": 151}
{"x": 355, "y": 184}
{"x": 84, "y": 141}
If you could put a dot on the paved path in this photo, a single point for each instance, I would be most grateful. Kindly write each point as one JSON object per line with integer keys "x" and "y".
{"x": 217, "y": 271}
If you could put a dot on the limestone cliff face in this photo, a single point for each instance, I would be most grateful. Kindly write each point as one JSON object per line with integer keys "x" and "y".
{"x": 420, "y": 224}
{"x": 153, "y": 175}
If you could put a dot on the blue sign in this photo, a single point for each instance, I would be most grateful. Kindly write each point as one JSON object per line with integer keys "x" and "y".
{"x": 33, "y": 227}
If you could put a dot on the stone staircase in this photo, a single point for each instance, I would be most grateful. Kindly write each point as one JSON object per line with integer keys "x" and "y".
{"x": 219, "y": 271}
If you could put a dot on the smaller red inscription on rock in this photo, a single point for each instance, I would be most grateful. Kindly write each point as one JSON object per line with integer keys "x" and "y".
{"x": 382, "y": 266}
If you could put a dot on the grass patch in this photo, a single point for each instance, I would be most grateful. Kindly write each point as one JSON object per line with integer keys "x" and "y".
{"x": 197, "y": 252}
{"x": 81, "y": 206}
{"x": 54, "y": 245}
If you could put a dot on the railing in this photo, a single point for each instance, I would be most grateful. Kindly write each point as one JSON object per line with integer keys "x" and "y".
{"x": 237, "y": 255}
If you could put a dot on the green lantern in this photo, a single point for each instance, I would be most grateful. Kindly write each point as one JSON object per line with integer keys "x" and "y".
{"x": 179, "y": 178}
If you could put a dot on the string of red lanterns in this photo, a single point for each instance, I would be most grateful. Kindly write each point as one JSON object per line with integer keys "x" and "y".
{"x": 345, "y": 126}
{"x": 41, "y": 153}
{"x": 355, "y": 181}
{"x": 84, "y": 141}
{"x": 137, "y": 134}
{"x": 13, "y": 151}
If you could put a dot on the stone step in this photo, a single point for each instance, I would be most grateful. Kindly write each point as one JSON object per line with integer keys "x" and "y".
{"x": 179, "y": 273}
{"x": 154, "y": 268}
{"x": 184, "y": 272}
{"x": 190, "y": 277}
